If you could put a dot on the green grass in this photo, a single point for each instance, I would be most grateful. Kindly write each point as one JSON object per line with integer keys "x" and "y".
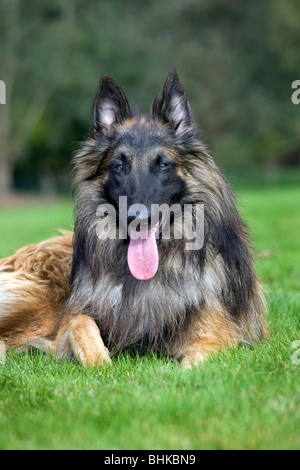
{"x": 243, "y": 399}
{"x": 26, "y": 226}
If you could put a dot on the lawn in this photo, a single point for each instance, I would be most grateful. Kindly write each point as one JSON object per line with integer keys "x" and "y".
{"x": 243, "y": 399}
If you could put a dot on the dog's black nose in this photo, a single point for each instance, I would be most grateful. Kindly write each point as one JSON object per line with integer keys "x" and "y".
{"x": 142, "y": 218}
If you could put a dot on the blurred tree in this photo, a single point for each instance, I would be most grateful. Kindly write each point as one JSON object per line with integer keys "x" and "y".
{"x": 37, "y": 42}
{"x": 236, "y": 59}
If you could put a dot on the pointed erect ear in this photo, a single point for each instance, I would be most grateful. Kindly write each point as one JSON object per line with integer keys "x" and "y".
{"x": 110, "y": 106}
{"x": 172, "y": 106}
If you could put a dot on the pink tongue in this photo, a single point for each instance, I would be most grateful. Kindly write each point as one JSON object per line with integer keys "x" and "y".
{"x": 142, "y": 256}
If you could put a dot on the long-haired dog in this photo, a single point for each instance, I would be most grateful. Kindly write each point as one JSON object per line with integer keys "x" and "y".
{"x": 109, "y": 287}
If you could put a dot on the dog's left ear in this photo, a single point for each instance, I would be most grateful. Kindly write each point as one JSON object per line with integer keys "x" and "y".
{"x": 173, "y": 107}
{"x": 110, "y": 106}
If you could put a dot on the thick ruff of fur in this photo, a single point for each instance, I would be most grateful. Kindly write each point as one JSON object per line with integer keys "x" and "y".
{"x": 81, "y": 299}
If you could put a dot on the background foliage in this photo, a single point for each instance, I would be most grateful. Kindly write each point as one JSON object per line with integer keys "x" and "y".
{"x": 237, "y": 61}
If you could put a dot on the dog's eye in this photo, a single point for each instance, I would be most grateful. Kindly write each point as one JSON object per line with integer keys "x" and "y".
{"x": 163, "y": 166}
{"x": 119, "y": 167}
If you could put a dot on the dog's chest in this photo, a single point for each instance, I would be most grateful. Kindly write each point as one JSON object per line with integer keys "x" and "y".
{"x": 115, "y": 297}
{"x": 130, "y": 312}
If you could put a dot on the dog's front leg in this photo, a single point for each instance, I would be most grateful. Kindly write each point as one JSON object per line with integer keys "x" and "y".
{"x": 80, "y": 336}
{"x": 200, "y": 350}
{"x": 213, "y": 333}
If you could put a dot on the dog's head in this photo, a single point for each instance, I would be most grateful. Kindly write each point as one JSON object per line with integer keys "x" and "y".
{"x": 140, "y": 161}
{"x": 142, "y": 157}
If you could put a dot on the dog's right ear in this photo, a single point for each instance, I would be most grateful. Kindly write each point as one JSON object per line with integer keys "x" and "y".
{"x": 110, "y": 106}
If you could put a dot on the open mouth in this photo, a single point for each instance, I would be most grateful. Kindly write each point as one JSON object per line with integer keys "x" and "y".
{"x": 142, "y": 255}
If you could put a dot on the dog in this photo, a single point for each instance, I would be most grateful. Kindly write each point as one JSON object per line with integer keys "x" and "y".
{"x": 118, "y": 282}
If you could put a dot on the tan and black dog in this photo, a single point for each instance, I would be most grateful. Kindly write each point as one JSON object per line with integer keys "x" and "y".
{"x": 93, "y": 294}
